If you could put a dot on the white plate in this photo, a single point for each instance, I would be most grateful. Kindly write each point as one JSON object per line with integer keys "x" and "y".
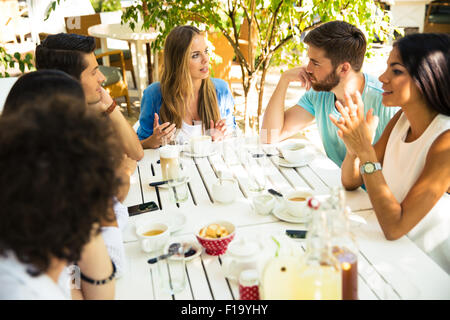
{"x": 280, "y": 211}
{"x": 195, "y": 245}
{"x": 284, "y": 163}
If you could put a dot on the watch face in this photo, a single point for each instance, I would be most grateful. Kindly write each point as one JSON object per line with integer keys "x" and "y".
{"x": 369, "y": 167}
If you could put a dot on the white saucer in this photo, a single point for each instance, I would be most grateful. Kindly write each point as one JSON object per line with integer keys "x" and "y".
{"x": 280, "y": 211}
{"x": 197, "y": 155}
{"x": 166, "y": 185}
{"x": 284, "y": 163}
{"x": 196, "y": 246}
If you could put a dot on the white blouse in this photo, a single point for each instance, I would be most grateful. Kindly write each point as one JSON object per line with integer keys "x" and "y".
{"x": 17, "y": 284}
{"x": 187, "y": 131}
{"x": 402, "y": 165}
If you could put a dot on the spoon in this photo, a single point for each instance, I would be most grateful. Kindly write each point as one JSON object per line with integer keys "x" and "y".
{"x": 175, "y": 248}
{"x": 219, "y": 174}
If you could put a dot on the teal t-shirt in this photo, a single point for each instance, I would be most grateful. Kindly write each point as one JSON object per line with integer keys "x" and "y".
{"x": 321, "y": 105}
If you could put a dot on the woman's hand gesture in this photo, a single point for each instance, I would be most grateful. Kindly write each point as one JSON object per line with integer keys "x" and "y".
{"x": 356, "y": 132}
{"x": 161, "y": 131}
{"x": 218, "y": 130}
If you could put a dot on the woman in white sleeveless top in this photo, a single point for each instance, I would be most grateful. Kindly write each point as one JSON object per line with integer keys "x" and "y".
{"x": 407, "y": 172}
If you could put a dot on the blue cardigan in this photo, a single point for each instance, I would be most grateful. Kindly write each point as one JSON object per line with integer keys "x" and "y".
{"x": 152, "y": 100}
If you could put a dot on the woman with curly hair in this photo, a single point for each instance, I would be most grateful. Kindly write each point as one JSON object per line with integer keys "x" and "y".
{"x": 186, "y": 100}
{"x": 59, "y": 164}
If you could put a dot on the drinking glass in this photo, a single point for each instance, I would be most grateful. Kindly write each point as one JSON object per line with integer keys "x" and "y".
{"x": 231, "y": 147}
{"x": 178, "y": 190}
{"x": 255, "y": 172}
{"x": 172, "y": 274}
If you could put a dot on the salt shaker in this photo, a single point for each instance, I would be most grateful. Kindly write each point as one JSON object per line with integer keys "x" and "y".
{"x": 249, "y": 285}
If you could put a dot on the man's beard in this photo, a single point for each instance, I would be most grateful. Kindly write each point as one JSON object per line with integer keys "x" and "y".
{"x": 330, "y": 82}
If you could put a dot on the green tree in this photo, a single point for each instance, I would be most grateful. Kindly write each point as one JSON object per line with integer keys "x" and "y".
{"x": 106, "y": 5}
{"x": 279, "y": 27}
{"x": 9, "y": 61}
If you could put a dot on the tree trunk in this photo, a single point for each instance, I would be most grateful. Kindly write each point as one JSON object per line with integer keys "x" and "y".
{"x": 265, "y": 68}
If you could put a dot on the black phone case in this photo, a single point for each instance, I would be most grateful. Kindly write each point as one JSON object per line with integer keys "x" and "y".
{"x": 142, "y": 208}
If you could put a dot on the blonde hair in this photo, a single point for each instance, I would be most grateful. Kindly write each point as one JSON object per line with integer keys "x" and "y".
{"x": 176, "y": 82}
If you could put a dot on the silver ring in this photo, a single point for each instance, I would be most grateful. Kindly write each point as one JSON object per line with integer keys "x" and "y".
{"x": 353, "y": 114}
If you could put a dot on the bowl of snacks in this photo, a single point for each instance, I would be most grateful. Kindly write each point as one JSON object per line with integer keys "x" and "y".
{"x": 216, "y": 236}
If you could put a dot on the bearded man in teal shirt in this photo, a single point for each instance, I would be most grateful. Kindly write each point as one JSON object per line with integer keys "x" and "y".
{"x": 336, "y": 54}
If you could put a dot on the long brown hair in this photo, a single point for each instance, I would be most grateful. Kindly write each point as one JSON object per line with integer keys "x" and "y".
{"x": 176, "y": 82}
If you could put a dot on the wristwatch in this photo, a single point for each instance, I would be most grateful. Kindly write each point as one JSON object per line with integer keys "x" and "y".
{"x": 370, "y": 167}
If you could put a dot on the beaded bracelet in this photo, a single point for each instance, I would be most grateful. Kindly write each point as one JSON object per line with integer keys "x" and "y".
{"x": 100, "y": 282}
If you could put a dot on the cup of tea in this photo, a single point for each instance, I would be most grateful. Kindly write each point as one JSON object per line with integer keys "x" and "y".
{"x": 293, "y": 152}
{"x": 201, "y": 145}
{"x": 152, "y": 235}
{"x": 296, "y": 202}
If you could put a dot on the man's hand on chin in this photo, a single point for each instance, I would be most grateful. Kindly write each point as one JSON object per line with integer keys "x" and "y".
{"x": 104, "y": 102}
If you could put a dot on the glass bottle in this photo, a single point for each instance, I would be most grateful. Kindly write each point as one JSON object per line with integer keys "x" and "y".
{"x": 343, "y": 243}
{"x": 320, "y": 271}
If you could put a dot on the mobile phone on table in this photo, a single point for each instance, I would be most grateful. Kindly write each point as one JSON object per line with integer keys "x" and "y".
{"x": 296, "y": 234}
{"x": 142, "y": 208}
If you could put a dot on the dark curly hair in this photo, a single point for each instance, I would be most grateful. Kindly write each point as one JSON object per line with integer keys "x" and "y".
{"x": 58, "y": 163}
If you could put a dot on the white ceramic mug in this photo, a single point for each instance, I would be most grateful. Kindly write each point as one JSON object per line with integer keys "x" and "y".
{"x": 154, "y": 242}
{"x": 298, "y": 208}
{"x": 201, "y": 145}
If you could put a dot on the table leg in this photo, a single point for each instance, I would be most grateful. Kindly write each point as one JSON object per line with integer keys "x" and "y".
{"x": 104, "y": 46}
{"x": 139, "y": 54}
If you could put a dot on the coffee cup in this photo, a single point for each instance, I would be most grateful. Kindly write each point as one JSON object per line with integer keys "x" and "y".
{"x": 201, "y": 145}
{"x": 263, "y": 204}
{"x": 296, "y": 202}
{"x": 294, "y": 152}
{"x": 224, "y": 190}
{"x": 152, "y": 235}
{"x": 169, "y": 159}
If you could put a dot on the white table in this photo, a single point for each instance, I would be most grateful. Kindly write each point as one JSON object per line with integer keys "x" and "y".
{"x": 387, "y": 269}
{"x": 137, "y": 38}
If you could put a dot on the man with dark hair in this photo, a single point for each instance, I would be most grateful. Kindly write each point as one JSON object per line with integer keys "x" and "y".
{"x": 74, "y": 54}
{"x": 336, "y": 54}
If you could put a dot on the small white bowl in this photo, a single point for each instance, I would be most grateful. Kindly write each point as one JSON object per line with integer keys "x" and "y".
{"x": 263, "y": 204}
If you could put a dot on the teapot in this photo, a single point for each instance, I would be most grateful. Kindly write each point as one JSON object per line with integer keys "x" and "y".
{"x": 241, "y": 255}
